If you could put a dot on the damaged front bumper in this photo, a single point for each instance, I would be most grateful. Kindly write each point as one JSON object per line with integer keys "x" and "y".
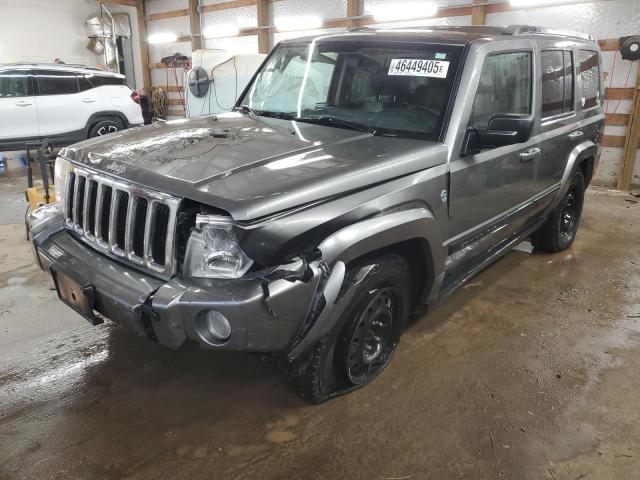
{"x": 271, "y": 313}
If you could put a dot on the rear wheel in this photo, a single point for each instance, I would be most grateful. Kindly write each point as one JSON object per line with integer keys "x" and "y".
{"x": 365, "y": 337}
{"x": 559, "y": 231}
{"x": 105, "y": 127}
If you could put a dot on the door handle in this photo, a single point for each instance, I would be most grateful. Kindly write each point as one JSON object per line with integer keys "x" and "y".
{"x": 576, "y": 135}
{"x": 88, "y": 100}
{"x": 23, "y": 103}
{"x": 530, "y": 154}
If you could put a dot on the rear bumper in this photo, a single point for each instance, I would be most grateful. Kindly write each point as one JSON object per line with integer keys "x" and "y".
{"x": 266, "y": 314}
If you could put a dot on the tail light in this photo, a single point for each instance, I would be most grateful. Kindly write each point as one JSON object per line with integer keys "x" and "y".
{"x": 135, "y": 96}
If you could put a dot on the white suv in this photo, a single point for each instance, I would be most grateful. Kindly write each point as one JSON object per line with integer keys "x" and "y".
{"x": 63, "y": 103}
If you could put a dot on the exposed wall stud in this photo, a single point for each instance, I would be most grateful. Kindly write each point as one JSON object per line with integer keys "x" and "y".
{"x": 355, "y": 8}
{"x": 631, "y": 142}
{"x": 144, "y": 52}
{"x": 478, "y": 13}
{"x": 194, "y": 23}
{"x": 264, "y": 22}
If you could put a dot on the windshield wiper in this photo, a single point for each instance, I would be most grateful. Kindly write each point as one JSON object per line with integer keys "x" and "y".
{"x": 245, "y": 109}
{"x": 338, "y": 122}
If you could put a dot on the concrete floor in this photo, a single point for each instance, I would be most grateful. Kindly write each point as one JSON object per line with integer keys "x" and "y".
{"x": 531, "y": 371}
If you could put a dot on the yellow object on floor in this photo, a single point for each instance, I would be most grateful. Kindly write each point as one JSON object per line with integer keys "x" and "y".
{"x": 36, "y": 196}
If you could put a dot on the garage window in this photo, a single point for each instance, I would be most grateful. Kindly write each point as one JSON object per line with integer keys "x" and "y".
{"x": 504, "y": 87}
{"x": 557, "y": 82}
{"x": 14, "y": 83}
{"x": 589, "y": 78}
{"x": 56, "y": 83}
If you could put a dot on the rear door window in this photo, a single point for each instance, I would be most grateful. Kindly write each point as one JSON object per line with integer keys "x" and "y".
{"x": 557, "y": 82}
{"x": 14, "y": 83}
{"x": 56, "y": 83}
{"x": 101, "y": 80}
{"x": 589, "y": 72}
{"x": 504, "y": 87}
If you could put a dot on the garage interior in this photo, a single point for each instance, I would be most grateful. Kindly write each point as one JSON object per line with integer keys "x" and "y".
{"x": 531, "y": 370}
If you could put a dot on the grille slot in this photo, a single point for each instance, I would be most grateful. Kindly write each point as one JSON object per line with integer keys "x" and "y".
{"x": 71, "y": 188}
{"x": 105, "y": 213}
{"x": 160, "y": 222}
{"x": 92, "y": 198}
{"x": 140, "y": 215}
{"x": 135, "y": 224}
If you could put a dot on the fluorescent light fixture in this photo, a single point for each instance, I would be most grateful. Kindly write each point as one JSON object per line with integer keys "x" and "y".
{"x": 221, "y": 31}
{"x": 403, "y": 11}
{"x": 164, "y": 37}
{"x": 300, "y": 22}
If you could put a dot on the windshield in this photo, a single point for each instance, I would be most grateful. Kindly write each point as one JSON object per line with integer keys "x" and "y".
{"x": 395, "y": 89}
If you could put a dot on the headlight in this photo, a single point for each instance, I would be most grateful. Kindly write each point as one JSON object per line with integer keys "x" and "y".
{"x": 213, "y": 250}
{"x": 63, "y": 167}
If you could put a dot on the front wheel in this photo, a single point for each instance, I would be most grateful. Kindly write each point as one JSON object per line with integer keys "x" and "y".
{"x": 365, "y": 337}
{"x": 559, "y": 231}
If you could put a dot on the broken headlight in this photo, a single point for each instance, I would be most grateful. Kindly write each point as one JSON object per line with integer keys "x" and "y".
{"x": 63, "y": 167}
{"x": 213, "y": 250}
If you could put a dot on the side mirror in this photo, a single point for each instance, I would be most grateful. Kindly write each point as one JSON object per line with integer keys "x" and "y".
{"x": 502, "y": 129}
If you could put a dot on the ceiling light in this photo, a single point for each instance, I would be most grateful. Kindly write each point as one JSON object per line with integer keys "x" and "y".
{"x": 221, "y": 31}
{"x": 534, "y": 3}
{"x": 165, "y": 37}
{"x": 302, "y": 22}
{"x": 406, "y": 11}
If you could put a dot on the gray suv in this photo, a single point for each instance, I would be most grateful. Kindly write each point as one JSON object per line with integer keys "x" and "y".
{"x": 363, "y": 176}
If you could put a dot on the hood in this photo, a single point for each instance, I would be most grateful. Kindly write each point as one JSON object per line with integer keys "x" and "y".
{"x": 253, "y": 166}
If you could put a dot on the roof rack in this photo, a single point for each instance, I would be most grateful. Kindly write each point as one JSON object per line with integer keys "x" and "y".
{"x": 510, "y": 30}
{"x": 50, "y": 64}
{"x": 533, "y": 30}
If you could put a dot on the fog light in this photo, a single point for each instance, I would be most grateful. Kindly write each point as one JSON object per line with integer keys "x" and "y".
{"x": 218, "y": 325}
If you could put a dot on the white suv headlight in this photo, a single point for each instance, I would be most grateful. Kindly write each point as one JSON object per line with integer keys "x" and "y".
{"x": 63, "y": 167}
{"x": 213, "y": 250}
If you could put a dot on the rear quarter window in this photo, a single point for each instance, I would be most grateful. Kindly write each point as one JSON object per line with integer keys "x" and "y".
{"x": 56, "y": 83}
{"x": 102, "y": 80}
{"x": 589, "y": 73}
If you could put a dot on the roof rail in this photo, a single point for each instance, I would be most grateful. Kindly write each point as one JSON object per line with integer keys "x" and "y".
{"x": 533, "y": 30}
{"x": 52, "y": 64}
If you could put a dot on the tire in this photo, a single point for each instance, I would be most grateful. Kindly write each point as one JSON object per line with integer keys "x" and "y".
{"x": 104, "y": 127}
{"x": 559, "y": 231}
{"x": 366, "y": 336}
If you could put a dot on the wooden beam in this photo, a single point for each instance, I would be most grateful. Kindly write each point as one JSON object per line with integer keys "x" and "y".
{"x": 174, "y": 101}
{"x": 613, "y": 140}
{"x": 609, "y": 44}
{"x": 616, "y": 118}
{"x": 175, "y": 113}
{"x": 170, "y": 14}
{"x": 216, "y": 7}
{"x": 144, "y": 52}
{"x": 127, "y": 3}
{"x": 264, "y": 21}
{"x": 625, "y": 173}
{"x": 170, "y": 88}
{"x": 355, "y": 8}
{"x": 619, "y": 93}
{"x": 478, "y": 13}
{"x": 194, "y": 23}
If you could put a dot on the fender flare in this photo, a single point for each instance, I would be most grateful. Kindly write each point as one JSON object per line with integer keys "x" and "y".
{"x": 359, "y": 239}
{"x": 584, "y": 150}
{"x": 105, "y": 115}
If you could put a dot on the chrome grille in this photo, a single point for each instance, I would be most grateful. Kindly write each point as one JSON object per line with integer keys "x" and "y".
{"x": 123, "y": 220}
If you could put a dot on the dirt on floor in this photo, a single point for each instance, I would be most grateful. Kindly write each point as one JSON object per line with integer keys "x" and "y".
{"x": 530, "y": 371}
